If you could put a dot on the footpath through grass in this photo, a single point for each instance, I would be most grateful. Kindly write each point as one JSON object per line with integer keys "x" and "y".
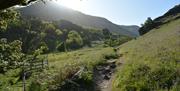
{"x": 152, "y": 62}
{"x": 63, "y": 66}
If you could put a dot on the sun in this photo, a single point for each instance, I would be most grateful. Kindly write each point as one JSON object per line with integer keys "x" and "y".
{"x": 73, "y": 4}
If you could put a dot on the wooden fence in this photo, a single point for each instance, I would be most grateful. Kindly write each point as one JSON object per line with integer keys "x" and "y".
{"x": 35, "y": 65}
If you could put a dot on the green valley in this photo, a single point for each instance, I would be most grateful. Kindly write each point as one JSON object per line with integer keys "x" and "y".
{"x": 48, "y": 45}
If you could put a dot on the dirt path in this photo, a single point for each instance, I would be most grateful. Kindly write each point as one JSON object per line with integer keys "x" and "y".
{"x": 103, "y": 75}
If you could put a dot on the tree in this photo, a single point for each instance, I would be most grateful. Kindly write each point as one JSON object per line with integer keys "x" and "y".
{"x": 59, "y": 32}
{"x": 61, "y": 47}
{"x": 10, "y": 55}
{"x": 6, "y": 16}
{"x": 44, "y": 47}
{"x": 74, "y": 40}
{"x": 149, "y": 21}
{"x": 107, "y": 34}
{"x": 147, "y": 26}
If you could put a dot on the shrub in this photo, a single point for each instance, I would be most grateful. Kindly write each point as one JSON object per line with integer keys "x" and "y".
{"x": 74, "y": 40}
{"x": 10, "y": 55}
{"x": 34, "y": 86}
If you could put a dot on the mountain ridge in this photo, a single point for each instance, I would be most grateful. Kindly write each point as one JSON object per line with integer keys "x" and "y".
{"x": 76, "y": 17}
{"x": 175, "y": 11}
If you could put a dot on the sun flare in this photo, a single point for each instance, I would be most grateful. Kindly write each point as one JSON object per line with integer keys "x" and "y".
{"x": 73, "y": 4}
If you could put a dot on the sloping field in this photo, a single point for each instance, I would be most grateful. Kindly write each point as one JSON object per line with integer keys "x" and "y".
{"x": 152, "y": 62}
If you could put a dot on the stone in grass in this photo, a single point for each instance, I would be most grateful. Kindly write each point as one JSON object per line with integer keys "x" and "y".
{"x": 178, "y": 61}
{"x": 111, "y": 61}
{"x": 110, "y": 73}
{"x": 106, "y": 70}
{"x": 106, "y": 77}
{"x": 113, "y": 66}
{"x": 99, "y": 68}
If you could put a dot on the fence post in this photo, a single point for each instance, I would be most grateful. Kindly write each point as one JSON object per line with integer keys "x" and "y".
{"x": 24, "y": 78}
{"x": 33, "y": 66}
{"x": 42, "y": 64}
{"x": 47, "y": 63}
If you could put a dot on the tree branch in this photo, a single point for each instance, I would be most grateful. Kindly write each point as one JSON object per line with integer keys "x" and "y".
{"x": 4, "y": 4}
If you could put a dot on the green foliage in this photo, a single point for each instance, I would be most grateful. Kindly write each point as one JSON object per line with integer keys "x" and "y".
{"x": 118, "y": 40}
{"x": 59, "y": 32}
{"x": 11, "y": 61}
{"x": 34, "y": 86}
{"x": 111, "y": 56}
{"x": 44, "y": 47}
{"x": 74, "y": 40}
{"x": 114, "y": 40}
{"x": 61, "y": 47}
{"x": 147, "y": 26}
{"x": 7, "y": 16}
{"x": 87, "y": 77}
{"x": 32, "y": 32}
{"x": 107, "y": 34}
{"x": 10, "y": 55}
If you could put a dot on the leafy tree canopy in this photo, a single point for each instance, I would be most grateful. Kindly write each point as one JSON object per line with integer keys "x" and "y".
{"x": 6, "y": 16}
{"x": 74, "y": 40}
{"x": 147, "y": 26}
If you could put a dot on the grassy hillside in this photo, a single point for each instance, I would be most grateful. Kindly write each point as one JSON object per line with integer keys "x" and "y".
{"x": 152, "y": 62}
{"x": 68, "y": 64}
{"x": 61, "y": 67}
{"x": 56, "y": 12}
{"x": 170, "y": 15}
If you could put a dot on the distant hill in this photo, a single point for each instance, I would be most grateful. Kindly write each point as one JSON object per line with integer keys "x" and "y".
{"x": 173, "y": 11}
{"x": 53, "y": 12}
{"x": 170, "y": 15}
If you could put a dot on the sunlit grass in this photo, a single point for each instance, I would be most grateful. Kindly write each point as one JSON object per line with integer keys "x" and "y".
{"x": 152, "y": 56}
{"x": 61, "y": 67}
{"x": 64, "y": 65}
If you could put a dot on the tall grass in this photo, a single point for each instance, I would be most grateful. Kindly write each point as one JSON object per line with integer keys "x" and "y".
{"x": 151, "y": 61}
{"x": 61, "y": 67}
{"x": 64, "y": 65}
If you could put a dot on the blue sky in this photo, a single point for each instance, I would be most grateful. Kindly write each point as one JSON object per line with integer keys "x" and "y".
{"x": 123, "y": 12}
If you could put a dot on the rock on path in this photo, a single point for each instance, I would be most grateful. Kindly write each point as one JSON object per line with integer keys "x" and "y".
{"x": 103, "y": 75}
